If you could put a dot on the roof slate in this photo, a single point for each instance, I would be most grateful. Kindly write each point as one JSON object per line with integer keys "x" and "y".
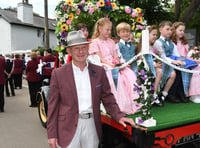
{"x": 38, "y": 22}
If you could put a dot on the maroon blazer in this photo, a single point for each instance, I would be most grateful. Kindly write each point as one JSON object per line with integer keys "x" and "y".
{"x": 31, "y": 68}
{"x": 48, "y": 58}
{"x": 18, "y": 66}
{"x": 63, "y": 112}
{"x": 2, "y": 68}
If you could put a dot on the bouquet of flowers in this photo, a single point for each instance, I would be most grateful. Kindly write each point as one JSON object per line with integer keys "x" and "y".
{"x": 117, "y": 61}
{"x": 145, "y": 90}
{"x": 196, "y": 55}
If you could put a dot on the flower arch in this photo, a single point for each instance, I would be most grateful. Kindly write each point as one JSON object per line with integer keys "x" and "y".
{"x": 69, "y": 13}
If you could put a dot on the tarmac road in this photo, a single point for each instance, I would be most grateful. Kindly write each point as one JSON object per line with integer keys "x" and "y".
{"x": 20, "y": 126}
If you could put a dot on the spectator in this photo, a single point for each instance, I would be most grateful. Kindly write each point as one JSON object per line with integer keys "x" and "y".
{"x": 9, "y": 76}
{"x": 50, "y": 61}
{"x": 33, "y": 78}
{"x": 2, "y": 82}
{"x": 17, "y": 73}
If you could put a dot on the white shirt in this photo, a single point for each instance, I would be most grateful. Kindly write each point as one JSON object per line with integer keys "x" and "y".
{"x": 83, "y": 89}
{"x": 158, "y": 45}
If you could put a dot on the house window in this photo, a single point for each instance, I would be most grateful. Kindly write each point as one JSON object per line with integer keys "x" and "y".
{"x": 38, "y": 33}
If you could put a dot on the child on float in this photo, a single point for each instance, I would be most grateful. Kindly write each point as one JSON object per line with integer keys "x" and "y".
{"x": 167, "y": 49}
{"x": 126, "y": 47}
{"x": 178, "y": 37}
{"x": 83, "y": 27}
{"x": 103, "y": 46}
{"x": 158, "y": 98}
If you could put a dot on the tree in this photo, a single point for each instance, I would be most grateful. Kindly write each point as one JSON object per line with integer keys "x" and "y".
{"x": 154, "y": 10}
{"x": 190, "y": 11}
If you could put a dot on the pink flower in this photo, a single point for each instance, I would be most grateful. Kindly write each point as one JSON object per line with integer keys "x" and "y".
{"x": 83, "y": 1}
{"x": 116, "y": 61}
{"x": 91, "y": 10}
{"x": 68, "y": 22}
{"x": 98, "y": 4}
{"x": 140, "y": 27}
{"x": 78, "y": 12}
{"x": 127, "y": 10}
{"x": 133, "y": 14}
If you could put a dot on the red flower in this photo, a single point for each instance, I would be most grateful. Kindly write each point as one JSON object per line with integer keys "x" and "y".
{"x": 108, "y": 3}
{"x": 140, "y": 14}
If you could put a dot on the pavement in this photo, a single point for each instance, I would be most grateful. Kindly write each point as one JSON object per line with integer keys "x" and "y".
{"x": 20, "y": 125}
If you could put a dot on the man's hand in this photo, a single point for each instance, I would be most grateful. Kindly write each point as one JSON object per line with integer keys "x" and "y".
{"x": 53, "y": 142}
{"x": 127, "y": 120}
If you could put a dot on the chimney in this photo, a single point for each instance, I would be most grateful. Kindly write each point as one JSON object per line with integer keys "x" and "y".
{"x": 25, "y": 12}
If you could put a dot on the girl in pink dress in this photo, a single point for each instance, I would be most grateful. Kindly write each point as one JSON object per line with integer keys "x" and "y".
{"x": 181, "y": 42}
{"x": 106, "y": 49}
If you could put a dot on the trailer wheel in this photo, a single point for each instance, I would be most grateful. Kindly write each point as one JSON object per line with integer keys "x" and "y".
{"x": 41, "y": 110}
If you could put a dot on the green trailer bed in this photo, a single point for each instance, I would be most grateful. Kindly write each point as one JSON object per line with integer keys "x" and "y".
{"x": 172, "y": 115}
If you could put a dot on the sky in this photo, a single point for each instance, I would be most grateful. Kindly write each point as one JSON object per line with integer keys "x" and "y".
{"x": 38, "y": 5}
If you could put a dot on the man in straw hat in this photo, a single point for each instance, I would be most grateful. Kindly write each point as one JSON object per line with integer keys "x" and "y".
{"x": 76, "y": 91}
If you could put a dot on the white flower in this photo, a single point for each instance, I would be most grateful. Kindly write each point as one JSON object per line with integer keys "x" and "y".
{"x": 62, "y": 19}
{"x": 66, "y": 15}
{"x": 86, "y": 8}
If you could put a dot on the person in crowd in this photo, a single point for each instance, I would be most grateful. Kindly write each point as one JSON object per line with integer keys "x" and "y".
{"x": 103, "y": 46}
{"x": 178, "y": 37}
{"x": 9, "y": 76}
{"x": 24, "y": 66}
{"x": 17, "y": 73}
{"x": 74, "y": 107}
{"x": 39, "y": 55}
{"x": 49, "y": 59}
{"x": 132, "y": 37}
{"x": 83, "y": 27}
{"x": 2, "y": 82}
{"x": 167, "y": 49}
{"x": 33, "y": 78}
{"x": 126, "y": 48}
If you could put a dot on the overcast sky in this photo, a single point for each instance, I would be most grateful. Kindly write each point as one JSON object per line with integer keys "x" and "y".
{"x": 38, "y": 5}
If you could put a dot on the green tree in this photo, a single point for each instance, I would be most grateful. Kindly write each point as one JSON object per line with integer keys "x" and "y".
{"x": 154, "y": 10}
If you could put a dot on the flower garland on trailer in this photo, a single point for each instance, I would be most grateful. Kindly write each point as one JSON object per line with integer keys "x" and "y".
{"x": 69, "y": 13}
{"x": 145, "y": 90}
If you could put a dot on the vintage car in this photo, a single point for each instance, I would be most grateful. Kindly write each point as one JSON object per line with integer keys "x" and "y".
{"x": 42, "y": 99}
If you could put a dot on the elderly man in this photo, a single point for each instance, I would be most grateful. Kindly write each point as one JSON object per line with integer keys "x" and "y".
{"x": 76, "y": 91}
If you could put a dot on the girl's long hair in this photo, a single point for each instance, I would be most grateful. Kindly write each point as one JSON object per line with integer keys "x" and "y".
{"x": 184, "y": 40}
{"x": 101, "y": 22}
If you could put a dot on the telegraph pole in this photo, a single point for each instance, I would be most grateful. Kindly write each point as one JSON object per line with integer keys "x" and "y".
{"x": 46, "y": 29}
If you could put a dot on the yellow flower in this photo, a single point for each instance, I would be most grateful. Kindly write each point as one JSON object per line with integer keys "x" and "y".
{"x": 71, "y": 16}
{"x": 139, "y": 20}
{"x": 64, "y": 27}
{"x": 62, "y": 48}
{"x": 121, "y": 7}
{"x": 69, "y": 2}
{"x": 133, "y": 27}
{"x": 138, "y": 35}
{"x": 138, "y": 10}
{"x": 59, "y": 23}
{"x": 114, "y": 6}
{"x": 101, "y": 2}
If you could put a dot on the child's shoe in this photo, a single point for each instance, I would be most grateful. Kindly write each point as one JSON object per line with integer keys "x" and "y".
{"x": 195, "y": 99}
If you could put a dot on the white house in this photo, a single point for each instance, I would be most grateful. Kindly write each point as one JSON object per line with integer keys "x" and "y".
{"x": 21, "y": 30}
